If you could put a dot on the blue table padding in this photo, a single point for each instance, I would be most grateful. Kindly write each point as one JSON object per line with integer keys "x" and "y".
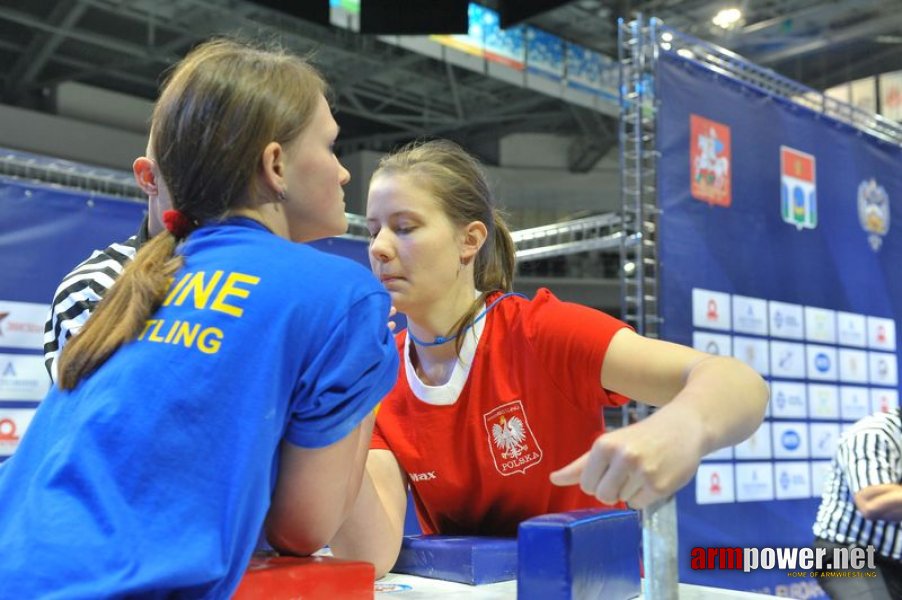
{"x": 465, "y": 559}
{"x": 579, "y": 555}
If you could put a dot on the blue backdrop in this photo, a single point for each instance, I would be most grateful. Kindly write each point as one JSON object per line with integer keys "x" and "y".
{"x": 778, "y": 244}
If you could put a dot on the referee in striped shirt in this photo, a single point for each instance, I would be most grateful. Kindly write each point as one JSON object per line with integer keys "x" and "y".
{"x": 862, "y": 506}
{"x": 82, "y": 289}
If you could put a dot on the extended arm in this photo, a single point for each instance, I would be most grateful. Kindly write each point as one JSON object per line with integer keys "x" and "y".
{"x": 708, "y": 402}
{"x": 316, "y": 490}
{"x": 374, "y": 529}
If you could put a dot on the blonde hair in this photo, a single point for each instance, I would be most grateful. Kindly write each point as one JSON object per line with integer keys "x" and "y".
{"x": 219, "y": 108}
{"x": 459, "y": 182}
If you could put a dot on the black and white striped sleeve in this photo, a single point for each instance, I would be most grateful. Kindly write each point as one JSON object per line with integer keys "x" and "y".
{"x": 78, "y": 294}
{"x": 873, "y": 455}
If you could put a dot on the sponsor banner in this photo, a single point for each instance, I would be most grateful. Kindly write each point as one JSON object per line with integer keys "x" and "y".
{"x": 883, "y": 399}
{"x": 722, "y": 454}
{"x": 787, "y": 359}
{"x": 753, "y": 352}
{"x": 23, "y": 377}
{"x": 757, "y": 445}
{"x": 820, "y": 325}
{"x": 854, "y": 402}
{"x": 788, "y": 400}
{"x": 711, "y": 310}
{"x": 544, "y": 54}
{"x": 754, "y": 481}
{"x": 712, "y": 343}
{"x": 793, "y": 480}
{"x": 882, "y": 368}
{"x": 22, "y": 324}
{"x": 881, "y": 333}
{"x": 851, "y": 329}
{"x": 820, "y": 471}
{"x": 823, "y": 401}
{"x": 13, "y": 423}
{"x": 750, "y": 315}
{"x": 786, "y": 320}
{"x": 824, "y": 438}
{"x": 853, "y": 365}
{"x": 714, "y": 483}
{"x": 790, "y": 439}
{"x": 821, "y": 362}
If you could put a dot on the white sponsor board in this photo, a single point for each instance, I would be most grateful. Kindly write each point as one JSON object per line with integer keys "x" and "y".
{"x": 23, "y": 377}
{"x": 787, "y": 359}
{"x": 823, "y": 401}
{"x": 788, "y": 400}
{"x": 752, "y": 351}
{"x": 711, "y": 310}
{"x": 790, "y": 439}
{"x": 756, "y": 445}
{"x": 749, "y": 315}
{"x": 714, "y": 483}
{"x": 793, "y": 480}
{"x": 712, "y": 343}
{"x": 823, "y": 438}
{"x": 851, "y": 329}
{"x": 820, "y": 325}
{"x": 22, "y": 324}
{"x": 13, "y": 423}
{"x": 786, "y": 320}
{"x": 754, "y": 481}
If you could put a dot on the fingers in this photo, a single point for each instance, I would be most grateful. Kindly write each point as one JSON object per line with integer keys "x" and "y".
{"x": 391, "y": 313}
{"x": 570, "y": 475}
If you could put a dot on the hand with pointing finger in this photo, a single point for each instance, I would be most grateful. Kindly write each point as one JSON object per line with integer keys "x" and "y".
{"x": 639, "y": 464}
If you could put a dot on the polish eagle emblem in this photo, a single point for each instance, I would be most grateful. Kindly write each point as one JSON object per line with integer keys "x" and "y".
{"x": 509, "y": 435}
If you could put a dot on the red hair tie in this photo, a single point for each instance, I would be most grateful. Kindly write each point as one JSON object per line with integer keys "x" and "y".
{"x": 177, "y": 223}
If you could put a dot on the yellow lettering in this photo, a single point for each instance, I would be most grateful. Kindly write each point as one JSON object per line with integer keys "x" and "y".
{"x": 200, "y": 290}
{"x": 147, "y": 326}
{"x": 172, "y": 331}
{"x": 229, "y": 288}
{"x": 186, "y": 334}
{"x": 155, "y": 334}
{"x": 176, "y": 289}
{"x": 210, "y": 346}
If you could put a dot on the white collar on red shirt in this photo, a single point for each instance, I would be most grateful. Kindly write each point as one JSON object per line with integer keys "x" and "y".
{"x": 446, "y": 394}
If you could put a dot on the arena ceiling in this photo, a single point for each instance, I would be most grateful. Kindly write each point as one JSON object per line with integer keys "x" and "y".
{"x": 386, "y": 95}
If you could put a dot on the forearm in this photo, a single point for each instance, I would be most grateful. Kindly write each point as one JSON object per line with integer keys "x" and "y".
{"x": 880, "y": 502}
{"x": 371, "y": 533}
{"x": 726, "y": 397}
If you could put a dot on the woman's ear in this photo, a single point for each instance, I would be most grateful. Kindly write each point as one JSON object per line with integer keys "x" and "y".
{"x": 145, "y": 177}
{"x": 474, "y": 236}
{"x": 272, "y": 166}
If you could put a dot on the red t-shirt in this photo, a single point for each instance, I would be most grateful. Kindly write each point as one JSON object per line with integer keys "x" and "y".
{"x": 532, "y": 403}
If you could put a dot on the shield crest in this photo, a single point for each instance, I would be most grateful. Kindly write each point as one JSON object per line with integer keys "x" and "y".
{"x": 511, "y": 442}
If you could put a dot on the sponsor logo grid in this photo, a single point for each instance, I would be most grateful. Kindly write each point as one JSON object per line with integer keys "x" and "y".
{"x": 23, "y": 379}
{"x": 826, "y": 369}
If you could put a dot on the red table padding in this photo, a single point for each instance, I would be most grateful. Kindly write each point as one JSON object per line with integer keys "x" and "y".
{"x": 306, "y": 578}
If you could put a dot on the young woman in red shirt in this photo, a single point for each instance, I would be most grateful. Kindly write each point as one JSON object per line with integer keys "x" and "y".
{"x": 496, "y": 414}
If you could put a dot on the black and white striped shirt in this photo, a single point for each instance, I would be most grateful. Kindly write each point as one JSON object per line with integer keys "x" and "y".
{"x": 870, "y": 453}
{"x": 80, "y": 291}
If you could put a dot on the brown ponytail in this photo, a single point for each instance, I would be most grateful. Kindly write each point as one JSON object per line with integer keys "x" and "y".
{"x": 123, "y": 312}
{"x": 219, "y": 108}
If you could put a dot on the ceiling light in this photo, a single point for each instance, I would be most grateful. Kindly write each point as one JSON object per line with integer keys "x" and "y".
{"x": 686, "y": 53}
{"x": 727, "y": 18}
{"x": 666, "y": 37}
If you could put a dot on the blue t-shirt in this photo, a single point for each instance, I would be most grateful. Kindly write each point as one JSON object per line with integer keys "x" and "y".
{"x": 154, "y": 475}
